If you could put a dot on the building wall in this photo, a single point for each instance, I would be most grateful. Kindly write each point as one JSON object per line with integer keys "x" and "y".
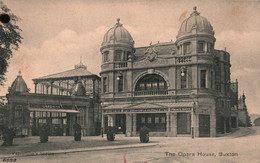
{"x": 90, "y": 125}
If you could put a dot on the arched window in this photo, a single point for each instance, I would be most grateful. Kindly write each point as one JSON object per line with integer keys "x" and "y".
{"x": 106, "y": 53}
{"x": 151, "y": 82}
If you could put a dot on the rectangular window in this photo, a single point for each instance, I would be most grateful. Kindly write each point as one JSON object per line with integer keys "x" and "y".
{"x": 104, "y": 84}
{"x": 148, "y": 86}
{"x": 155, "y": 85}
{"x": 106, "y": 53}
{"x": 187, "y": 48}
{"x": 161, "y": 85}
{"x": 142, "y": 87}
{"x": 203, "y": 78}
{"x": 200, "y": 47}
{"x": 163, "y": 120}
{"x": 149, "y": 119}
{"x": 156, "y": 120}
{"x": 143, "y": 120}
{"x": 118, "y": 55}
{"x": 120, "y": 83}
{"x": 183, "y": 79}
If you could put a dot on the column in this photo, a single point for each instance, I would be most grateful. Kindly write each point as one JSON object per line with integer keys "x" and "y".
{"x": 59, "y": 88}
{"x": 35, "y": 87}
{"x": 129, "y": 124}
{"x": 134, "y": 124}
{"x": 213, "y": 125}
{"x": 173, "y": 124}
{"x": 51, "y": 87}
{"x": 196, "y": 124}
{"x": 168, "y": 125}
{"x": 67, "y": 88}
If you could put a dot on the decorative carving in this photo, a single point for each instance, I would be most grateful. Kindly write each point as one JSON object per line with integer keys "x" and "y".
{"x": 150, "y": 53}
{"x": 183, "y": 59}
{"x": 145, "y": 62}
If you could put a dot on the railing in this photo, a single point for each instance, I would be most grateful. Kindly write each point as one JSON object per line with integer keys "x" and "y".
{"x": 120, "y": 65}
{"x": 151, "y": 93}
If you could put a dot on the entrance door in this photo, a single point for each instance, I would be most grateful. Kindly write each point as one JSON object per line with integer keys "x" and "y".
{"x": 183, "y": 123}
{"x": 120, "y": 123}
{"x": 204, "y": 125}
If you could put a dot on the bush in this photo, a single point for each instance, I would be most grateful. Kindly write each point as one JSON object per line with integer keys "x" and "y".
{"x": 44, "y": 133}
{"x": 110, "y": 133}
{"x": 8, "y": 136}
{"x": 77, "y": 132}
{"x": 144, "y": 134}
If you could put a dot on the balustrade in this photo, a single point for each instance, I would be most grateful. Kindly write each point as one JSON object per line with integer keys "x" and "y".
{"x": 151, "y": 93}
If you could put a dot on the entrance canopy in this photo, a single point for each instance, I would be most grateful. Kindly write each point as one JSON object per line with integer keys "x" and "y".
{"x": 54, "y": 110}
{"x": 149, "y": 107}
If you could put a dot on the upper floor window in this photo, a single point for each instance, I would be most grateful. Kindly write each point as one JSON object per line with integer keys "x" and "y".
{"x": 105, "y": 55}
{"x": 187, "y": 48}
{"x": 203, "y": 78}
{"x": 129, "y": 55}
{"x": 183, "y": 79}
{"x": 201, "y": 46}
{"x": 151, "y": 82}
{"x": 105, "y": 84}
{"x": 120, "y": 83}
{"x": 118, "y": 55}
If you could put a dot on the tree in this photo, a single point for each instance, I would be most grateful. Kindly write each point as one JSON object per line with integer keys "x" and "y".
{"x": 10, "y": 38}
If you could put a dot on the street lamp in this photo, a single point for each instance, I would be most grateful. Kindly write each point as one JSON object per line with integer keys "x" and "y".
{"x": 193, "y": 96}
{"x": 183, "y": 71}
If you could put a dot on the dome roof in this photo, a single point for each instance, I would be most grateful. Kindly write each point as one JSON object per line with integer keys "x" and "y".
{"x": 18, "y": 85}
{"x": 195, "y": 21}
{"x": 118, "y": 35}
{"x": 79, "y": 89}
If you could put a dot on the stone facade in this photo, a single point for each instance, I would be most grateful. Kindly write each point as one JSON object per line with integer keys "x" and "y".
{"x": 174, "y": 88}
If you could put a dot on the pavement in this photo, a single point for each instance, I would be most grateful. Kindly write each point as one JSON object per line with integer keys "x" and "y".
{"x": 30, "y": 146}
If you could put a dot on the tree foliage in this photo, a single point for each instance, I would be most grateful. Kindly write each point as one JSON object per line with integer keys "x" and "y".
{"x": 10, "y": 38}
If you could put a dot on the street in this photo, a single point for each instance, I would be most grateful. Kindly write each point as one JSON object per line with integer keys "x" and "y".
{"x": 240, "y": 146}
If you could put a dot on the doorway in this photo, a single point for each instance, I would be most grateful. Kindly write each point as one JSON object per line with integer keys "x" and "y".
{"x": 183, "y": 123}
{"x": 204, "y": 125}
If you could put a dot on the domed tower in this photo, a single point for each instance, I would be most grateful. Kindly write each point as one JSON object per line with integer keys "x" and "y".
{"x": 195, "y": 35}
{"x": 18, "y": 85}
{"x": 117, "y": 51}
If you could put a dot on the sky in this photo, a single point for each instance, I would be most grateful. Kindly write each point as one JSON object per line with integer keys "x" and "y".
{"x": 57, "y": 33}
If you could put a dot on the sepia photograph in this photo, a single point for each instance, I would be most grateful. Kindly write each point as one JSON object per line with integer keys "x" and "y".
{"x": 130, "y": 81}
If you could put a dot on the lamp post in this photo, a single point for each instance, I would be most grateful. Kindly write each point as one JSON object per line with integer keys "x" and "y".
{"x": 102, "y": 120}
{"x": 193, "y": 96}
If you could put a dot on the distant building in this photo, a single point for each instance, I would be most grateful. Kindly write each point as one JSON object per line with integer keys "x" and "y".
{"x": 173, "y": 88}
{"x": 234, "y": 104}
{"x": 243, "y": 116}
{"x": 60, "y": 100}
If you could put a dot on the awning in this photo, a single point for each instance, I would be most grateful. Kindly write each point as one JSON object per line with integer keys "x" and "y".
{"x": 53, "y": 110}
{"x": 149, "y": 105}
